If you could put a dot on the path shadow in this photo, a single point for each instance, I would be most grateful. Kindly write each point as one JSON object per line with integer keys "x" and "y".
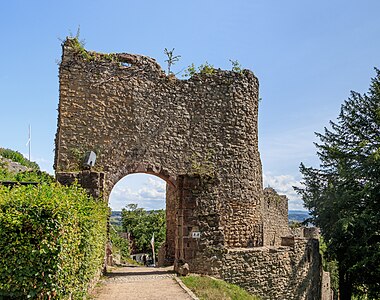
{"x": 139, "y": 273}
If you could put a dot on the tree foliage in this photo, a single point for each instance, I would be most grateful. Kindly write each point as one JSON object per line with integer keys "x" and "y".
{"x": 343, "y": 194}
{"x": 141, "y": 225}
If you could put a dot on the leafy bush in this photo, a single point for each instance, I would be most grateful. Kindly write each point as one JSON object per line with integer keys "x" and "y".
{"x": 26, "y": 176}
{"x": 51, "y": 241}
{"x": 19, "y": 158}
{"x": 190, "y": 71}
{"x": 205, "y": 68}
{"x": 34, "y": 176}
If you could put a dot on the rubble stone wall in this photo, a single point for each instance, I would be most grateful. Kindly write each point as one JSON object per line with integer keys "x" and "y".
{"x": 200, "y": 136}
{"x": 275, "y": 210}
{"x": 292, "y": 273}
{"x": 171, "y": 225}
{"x": 137, "y": 119}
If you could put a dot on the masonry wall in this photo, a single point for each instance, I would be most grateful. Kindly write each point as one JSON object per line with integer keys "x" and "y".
{"x": 199, "y": 211}
{"x": 327, "y": 293}
{"x": 200, "y": 135}
{"x": 171, "y": 224}
{"x": 275, "y": 210}
{"x": 136, "y": 118}
{"x": 276, "y": 272}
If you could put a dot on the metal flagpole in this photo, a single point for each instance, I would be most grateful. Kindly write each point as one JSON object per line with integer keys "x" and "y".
{"x": 29, "y": 143}
{"x": 30, "y": 140}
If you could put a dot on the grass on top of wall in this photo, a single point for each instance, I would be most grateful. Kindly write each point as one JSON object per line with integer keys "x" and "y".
{"x": 207, "y": 288}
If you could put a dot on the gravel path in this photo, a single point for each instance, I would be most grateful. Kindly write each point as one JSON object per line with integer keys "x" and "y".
{"x": 140, "y": 283}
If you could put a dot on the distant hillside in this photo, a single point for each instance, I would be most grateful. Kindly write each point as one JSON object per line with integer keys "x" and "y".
{"x": 116, "y": 213}
{"x": 14, "y": 161}
{"x": 115, "y": 218}
{"x": 293, "y": 215}
{"x": 14, "y": 167}
{"x": 298, "y": 215}
{"x": 11, "y": 166}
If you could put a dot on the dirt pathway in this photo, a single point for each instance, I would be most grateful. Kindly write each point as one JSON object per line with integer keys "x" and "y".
{"x": 140, "y": 283}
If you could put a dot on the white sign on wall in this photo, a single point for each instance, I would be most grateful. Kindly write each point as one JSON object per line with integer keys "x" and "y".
{"x": 196, "y": 235}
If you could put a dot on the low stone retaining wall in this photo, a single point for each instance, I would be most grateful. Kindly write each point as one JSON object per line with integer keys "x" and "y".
{"x": 276, "y": 272}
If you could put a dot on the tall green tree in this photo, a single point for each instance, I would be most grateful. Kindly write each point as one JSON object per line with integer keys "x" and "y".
{"x": 141, "y": 225}
{"x": 343, "y": 194}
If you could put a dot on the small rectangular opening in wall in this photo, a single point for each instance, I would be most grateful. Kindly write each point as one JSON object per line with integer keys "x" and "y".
{"x": 125, "y": 64}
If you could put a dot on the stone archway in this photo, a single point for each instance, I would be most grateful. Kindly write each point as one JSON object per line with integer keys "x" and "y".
{"x": 200, "y": 135}
{"x": 168, "y": 250}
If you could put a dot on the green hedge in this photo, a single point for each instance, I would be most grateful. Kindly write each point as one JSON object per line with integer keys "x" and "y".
{"x": 51, "y": 241}
{"x": 26, "y": 176}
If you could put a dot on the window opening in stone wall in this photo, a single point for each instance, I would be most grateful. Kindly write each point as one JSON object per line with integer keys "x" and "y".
{"x": 138, "y": 204}
{"x": 125, "y": 64}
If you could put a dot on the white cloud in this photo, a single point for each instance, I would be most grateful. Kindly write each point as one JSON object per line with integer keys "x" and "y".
{"x": 151, "y": 194}
{"x": 283, "y": 184}
{"x": 158, "y": 184}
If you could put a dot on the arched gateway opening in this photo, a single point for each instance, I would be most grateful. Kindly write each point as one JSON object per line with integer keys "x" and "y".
{"x": 152, "y": 194}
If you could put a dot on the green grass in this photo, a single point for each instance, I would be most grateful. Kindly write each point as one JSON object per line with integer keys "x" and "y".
{"x": 207, "y": 288}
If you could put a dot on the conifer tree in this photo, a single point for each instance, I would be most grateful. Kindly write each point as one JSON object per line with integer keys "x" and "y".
{"x": 343, "y": 194}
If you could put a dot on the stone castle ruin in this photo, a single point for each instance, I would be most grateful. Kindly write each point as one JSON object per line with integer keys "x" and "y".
{"x": 200, "y": 136}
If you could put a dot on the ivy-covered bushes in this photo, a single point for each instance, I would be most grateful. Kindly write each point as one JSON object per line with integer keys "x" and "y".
{"x": 26, "y": 176}
{"x": 120, "y": 245}
{"x": 51, "y": 241}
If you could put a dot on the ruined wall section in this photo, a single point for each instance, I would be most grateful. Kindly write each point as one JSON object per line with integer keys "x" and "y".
{"x": 292, "y": 273}
{"x": 136, "y": 118}
{"x": 275, "y": 212}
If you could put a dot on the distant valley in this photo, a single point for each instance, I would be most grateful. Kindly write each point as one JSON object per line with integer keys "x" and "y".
{"x": 293, "y": 215}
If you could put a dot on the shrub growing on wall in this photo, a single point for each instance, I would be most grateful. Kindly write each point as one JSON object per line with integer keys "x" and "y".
{"x": 51, "y": 241}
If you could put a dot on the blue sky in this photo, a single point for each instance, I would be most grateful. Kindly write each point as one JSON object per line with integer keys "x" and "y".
{"x": 308, "y": 55}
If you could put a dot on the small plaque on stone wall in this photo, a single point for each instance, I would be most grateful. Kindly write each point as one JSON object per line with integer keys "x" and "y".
{"x": 196, "y": 235}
